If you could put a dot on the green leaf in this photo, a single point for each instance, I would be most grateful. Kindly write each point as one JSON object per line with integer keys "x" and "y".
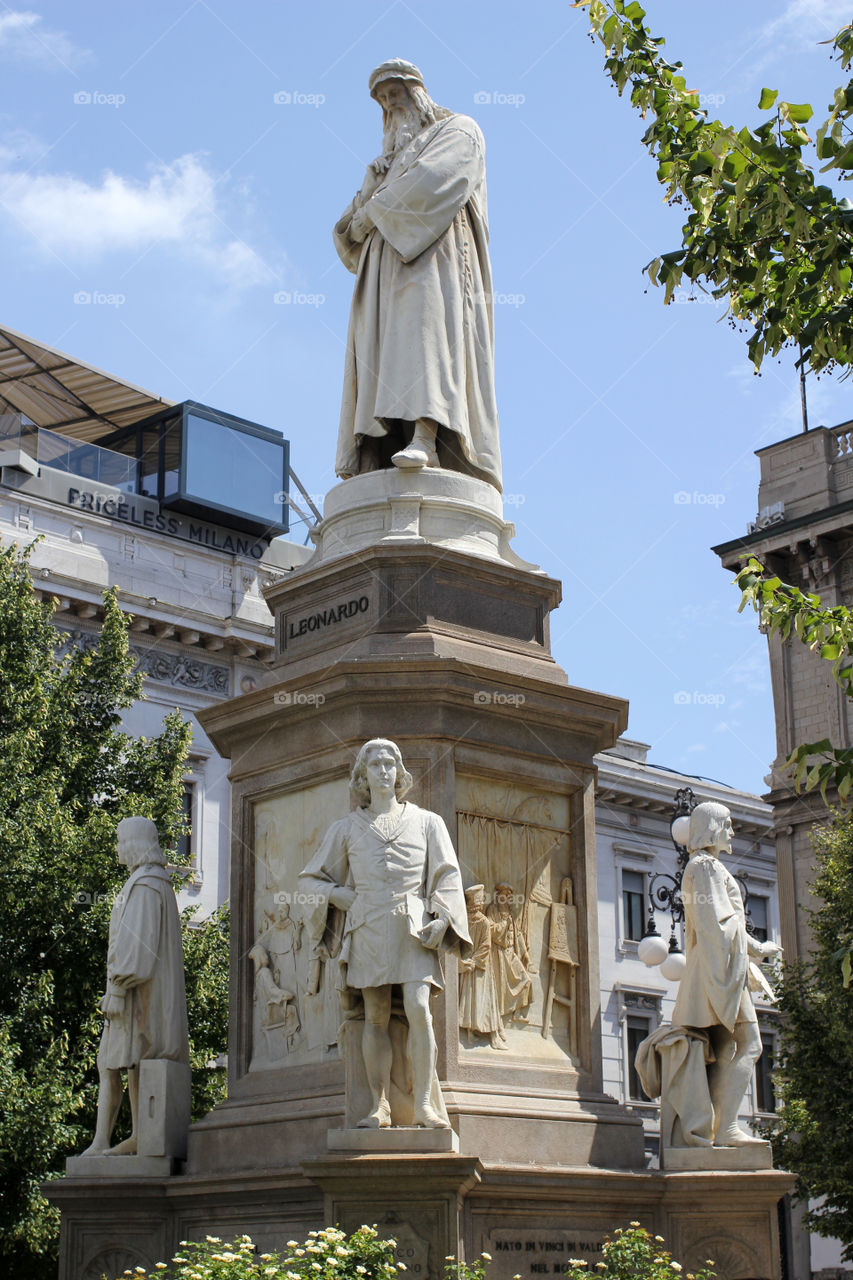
{"x": 768, "y": 97}
{"x": 799, "y": 112}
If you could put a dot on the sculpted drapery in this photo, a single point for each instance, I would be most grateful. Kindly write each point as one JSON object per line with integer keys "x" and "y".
{"x": 421, "y": 338}
{"x": 402, "y": 879}
{"x": 715, "y": 988}
{"x": 145, "y": 965}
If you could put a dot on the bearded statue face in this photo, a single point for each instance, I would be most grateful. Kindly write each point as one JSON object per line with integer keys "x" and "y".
{"x": 400, "y": 116}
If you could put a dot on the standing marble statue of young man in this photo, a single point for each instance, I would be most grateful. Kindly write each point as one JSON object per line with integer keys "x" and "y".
{"x": 419, "y": 386}
{"x": 714, "y": 993}
{"x": 392, "y": 868}
{"x": 145, "y": 1004}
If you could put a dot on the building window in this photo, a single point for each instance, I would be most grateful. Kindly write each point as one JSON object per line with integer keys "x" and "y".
{"x": 758, "y": 910}
{"x": 633, "y": 905}
{"x": 765, "y": 1095}
{"x": 185, "y": 847}
{"x": 636, "y": 1030}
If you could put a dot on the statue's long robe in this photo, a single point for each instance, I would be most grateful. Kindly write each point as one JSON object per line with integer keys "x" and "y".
{"x": 145, "y": 964}
{"x": 714, "y": 989}
{"x": 421, "y": 331}
{"x": 402, "y": 879}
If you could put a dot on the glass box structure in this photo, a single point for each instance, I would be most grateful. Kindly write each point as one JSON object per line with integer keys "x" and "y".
{"x": 210, "y": 464}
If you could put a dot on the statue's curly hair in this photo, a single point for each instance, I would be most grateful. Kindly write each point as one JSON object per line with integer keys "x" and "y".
{"x": 358, "y": 778}
{"x": 706, "y": 822}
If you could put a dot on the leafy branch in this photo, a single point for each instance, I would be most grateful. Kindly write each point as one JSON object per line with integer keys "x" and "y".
{"x": 760, "y": 230}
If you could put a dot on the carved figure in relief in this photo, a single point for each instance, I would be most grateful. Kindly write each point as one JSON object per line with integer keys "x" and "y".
{"x": 282, "y": 939}
{"x": 145, "y": 1005}
{"x": 391, "y": 868}
{"x": 275, "y": 1004}
{"x": 419, "y": 373}
{"x": 510, "y": 959}
{"x": 713, "y": 1020}
{"x": 478, "y": 1002}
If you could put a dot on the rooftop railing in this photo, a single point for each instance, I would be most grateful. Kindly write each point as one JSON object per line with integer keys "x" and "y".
{"x": 52, "y": 449}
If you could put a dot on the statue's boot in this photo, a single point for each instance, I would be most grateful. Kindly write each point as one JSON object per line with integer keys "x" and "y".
{"x": 498, "y": 1041}
{"x": 734, "y": 1136}
{"x": 422, "y": 451}
{"x": 126, "y": 1148}
{"x": 378, "y": 1118}
{"x": 425, "y": 1118}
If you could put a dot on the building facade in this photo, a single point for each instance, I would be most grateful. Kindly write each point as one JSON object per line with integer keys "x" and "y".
{"x": 190, "y": 576}
{"x": 803, "y": 533}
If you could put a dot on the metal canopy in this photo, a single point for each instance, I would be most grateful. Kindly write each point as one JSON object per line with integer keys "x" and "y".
{"x": 56, "y": 391}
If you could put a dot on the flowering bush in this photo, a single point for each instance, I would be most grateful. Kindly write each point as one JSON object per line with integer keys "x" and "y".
{"x": 634, "y": 1254}
{"x": 325, "y": 1255}
{"x": 456, "y": 1270}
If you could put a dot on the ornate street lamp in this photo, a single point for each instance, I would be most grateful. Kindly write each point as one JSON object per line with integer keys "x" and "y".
{"x": 665, "y": 894}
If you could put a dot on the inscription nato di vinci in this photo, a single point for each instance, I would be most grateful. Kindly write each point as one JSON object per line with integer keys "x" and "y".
{"x": 536, "y": 1252}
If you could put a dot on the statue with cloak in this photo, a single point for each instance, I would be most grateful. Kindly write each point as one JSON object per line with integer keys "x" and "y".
{"x": 391, "y": 868}
{"x": 419, "y": 374}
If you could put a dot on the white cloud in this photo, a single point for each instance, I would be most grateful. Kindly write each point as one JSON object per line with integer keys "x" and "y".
{"x": 179, "y": 205}
{"x": 803, "y": 23}
{"x": 22, "y": 35}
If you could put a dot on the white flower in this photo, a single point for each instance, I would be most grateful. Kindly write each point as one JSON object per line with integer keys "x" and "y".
{"x": 633, "y": 1224}
{"x": 213, "y": 1239}
{"x": 659, "y": 1239}
{"x": 316, "y": 1266}
{"x": 270, "y": 1271}
{"x": 676, "y": 1266}
{"x": 578, "y": 1262}
{"x": 487, "y": 1256}
{"x": 292, "y": 1244}
{"x": 401, "y": 1266}
{"x": 300, "y": 1253}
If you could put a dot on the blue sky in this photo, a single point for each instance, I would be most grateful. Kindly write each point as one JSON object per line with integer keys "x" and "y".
{"x": 183, "y": 164}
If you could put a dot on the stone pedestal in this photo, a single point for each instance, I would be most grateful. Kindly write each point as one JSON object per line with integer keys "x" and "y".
{"x": 417, "y": 1200}
{"x": 756, "y": 1155}
{"x": 415, "y": 621}
{"x": 164, "y": 1108}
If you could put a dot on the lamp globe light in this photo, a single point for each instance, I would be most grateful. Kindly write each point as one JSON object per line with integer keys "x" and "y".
{"x": 652, "y": 950}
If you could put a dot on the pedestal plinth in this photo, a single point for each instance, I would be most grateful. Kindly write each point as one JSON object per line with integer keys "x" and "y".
{"x": 416, "y": 1199}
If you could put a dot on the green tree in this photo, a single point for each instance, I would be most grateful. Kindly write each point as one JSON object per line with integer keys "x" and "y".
{"x": 68, "y": 775}
{"x": 762, "y": 230}
{"x": 813, "y": 1131}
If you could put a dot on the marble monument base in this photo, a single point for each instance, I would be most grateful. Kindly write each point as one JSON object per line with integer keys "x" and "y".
{"x": 757, "y": 1155}
{"x": 107, "y": 1166}
{"x": 393, "y": 1141}
{"x": 530, "y": 1217}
